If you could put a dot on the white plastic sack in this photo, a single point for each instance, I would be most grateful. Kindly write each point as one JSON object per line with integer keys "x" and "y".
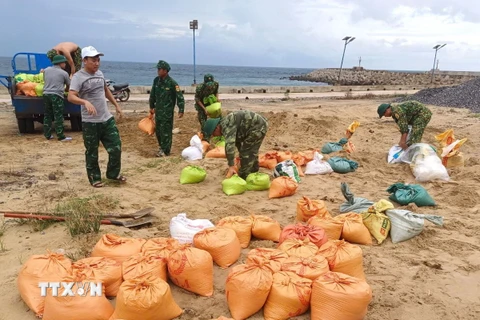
{"x": 406, "y": 224}
{"x": 184, "y": 229}
{"x": 287, "y": 168}
{"x": 195, "y": 151}
{"x": 317, "y": 165}
{"x": 395, "y": 153}
{"x": 425, "y": 163}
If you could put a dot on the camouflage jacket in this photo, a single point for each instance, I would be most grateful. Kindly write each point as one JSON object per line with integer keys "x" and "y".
{"x": 206, "y": 89}
{"x": 405, "y": 113}
{"x": 165, "y": 94}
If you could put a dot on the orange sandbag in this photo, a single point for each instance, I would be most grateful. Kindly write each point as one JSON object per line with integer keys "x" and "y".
{"x": 284, "y": 155}
{"x": 265, "y": 228}
{"x": 299, "y": 248}
{"x": 160, "y": 246}
{"x": 354, "y": 231}
{"x": 307, "y": 208}
{"x": 144, "y": 265}
{"x": 247, "y": 288}
{"x": 78, "y": 307}
{"x": 217, "y": 152}
{"x": 268, "y": 160}
{"x": 289, "y": 296}
{"x": 27, "y": 88}
{"x": 116, "y": 247}
{"x": 242, "y": 227}
{"x": 282, "y": 187}
{"x": 41, "y": 268}
{"x": 106, "y": 270}
{"x": 274, "y": 257}
{"x": 339, "y": 296}
{"x": 344, "y": 257}
{"x": 222, "y": 244}
{"x": 223, "y": 318}
{"x": 309, "y": 155}
{"x": 205, "y": 146}
{"x": 147, "y": 125}
{"x": 300, "y": 231}
{"x": 148, "y": 299}
{"x": 310, "y": 268}
{"x": 333, "y": 228}
{"x": 300, "y": 161}
{"x": 192, "y": 269}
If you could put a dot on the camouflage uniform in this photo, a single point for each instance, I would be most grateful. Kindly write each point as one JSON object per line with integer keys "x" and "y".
{"x": 244, "y": 130}
{"x": 412, "y": 113}
{"x": 76, "y": 57}
{"x": 164, "y": 95}
{"x": 208, "y": 87}
{"x": 54, "y": 106}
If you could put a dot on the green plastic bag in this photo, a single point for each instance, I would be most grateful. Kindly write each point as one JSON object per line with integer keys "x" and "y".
{"x": 20, "y": 77}
{"x": 219, "y": 141}
{"x": 211, "y": 99}
{"x": 258, "y": 181}
{"x": 334, "y": 146}
{"x": 214, "y": 110}
{"x": 413, "y": 193}
{"x": 39, "y": 90}
{"x": 192, "y": 174}
{"x": 234, "y": 185}
{"x": 342, "y": 165}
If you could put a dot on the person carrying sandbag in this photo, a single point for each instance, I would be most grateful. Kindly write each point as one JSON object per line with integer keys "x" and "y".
{"x": 202, "y": 97}
{"x": 244, "y": 130}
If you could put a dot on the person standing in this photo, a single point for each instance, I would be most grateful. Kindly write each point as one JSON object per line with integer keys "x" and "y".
{"x": 209, "y": 88}
{"x": 164, "y": 95}
{"x": 56, "y": 78}
{"x": 72, "y": 52}
{"x": 244, "y": 130}
{"x": 88, "y": 88}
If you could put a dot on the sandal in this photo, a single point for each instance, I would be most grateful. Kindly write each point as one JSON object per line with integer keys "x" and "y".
{"x": 97, "y": 184}
{"x": 121, "y": 179}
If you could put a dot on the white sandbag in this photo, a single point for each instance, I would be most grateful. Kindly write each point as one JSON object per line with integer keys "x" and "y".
{"x": 317, "y": 165}
{"x": 425, "y": 163}
{"x": 406, "y": 224}
{"x": 184, "y": 229}
{"x": 195, "y": 151}
{"x": 394, "y": 154}
{"x": 287, "y": 168}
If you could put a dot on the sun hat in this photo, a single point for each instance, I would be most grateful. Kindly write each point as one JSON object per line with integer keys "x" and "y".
{"x": 90, "y": 52}
{"x": 59, "y": 59}
{"x": 382, "y": 108}
{"x": 210, "y": 126}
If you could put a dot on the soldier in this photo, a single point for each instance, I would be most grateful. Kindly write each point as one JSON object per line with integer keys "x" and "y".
{"x": 72, "y": 53}
{"x": 164, "y": 95}
{"x": 408, "y": 113}
{"x": 207, "y": 88}
{"x": 244, "y": 130}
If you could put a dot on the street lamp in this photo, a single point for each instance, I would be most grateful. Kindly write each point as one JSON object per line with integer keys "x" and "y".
{"x": 437, "y": 47}
{"x": 194, "y": 26}
{"x": 347, "y": 41}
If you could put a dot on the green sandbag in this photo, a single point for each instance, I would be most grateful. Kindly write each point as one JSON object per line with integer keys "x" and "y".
{"x": 39, "y": 90}
{"x": 211, "y": 99}
{"x": 413, "y": 193}
{"x": 334, "y": 146}
{"x": 214, "y": 110}
{"x": 342, "y": 165}
{"x": 258, "y": 181}
{"x": 234, "y": 185}
{"x": 192, "y": 174}
{"x": 21, "y": 77}
{"x": 219, "y": 141}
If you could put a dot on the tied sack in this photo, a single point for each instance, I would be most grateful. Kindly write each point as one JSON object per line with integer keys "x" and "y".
{"x": 258, "y": 181}
{"x": 318, "y": 166}
{"x": 376, "y": 221}
{"x": 310, "y": 267}
{"x": 344, "y": 257}
{"x": 331, "y": 147}
{"x": 299, "y": 248}
{"x": 192, "y": 269}
{"x": 147, "y": 125}
{"x": 265, "y": 228}
{"x": 143, "y": 266}
{"x": 268, "y": 160}
{"x": 183, "y": 229}
{"x": 151, "y": 298}
{"x": 49, "y": 267}
{"x": 425, "y": 163}
{"x": 247, "y": 288}
{"x": 342, "y": 165}
{"x": 117, "y": 248}
{"x": 234, "y": 185}
{"x": 352, "y": 203}
{"x": 307, "y": 208}
{"x": 217, "y": 152}
{"x": 195, "y": 150}
{"x": 105, "y": 270}
{"x": 300, "y": 161}
{"x": 282, "y": 187}
{"x": 332, "y": 227}
{"x": 274, "y": 257}
{"x": 289, "y": 296}
{"x": 339, "y": 296}
{"x": 214, "y": 110}
{"x": 287, "y": 168}
{"x": 242, "y": 227}
{"x": 222, "y": 244}
{"x": 160, "y": 246}
{"x": 410, "y": 193}
{"x": 406, "y": 224}
{"x": 354, "y": 231}
{"x": 219, "y": 141}
{"x": 284, "y": 155}
{"x": 315, "y": 234}
{"x": 192, "y": 174}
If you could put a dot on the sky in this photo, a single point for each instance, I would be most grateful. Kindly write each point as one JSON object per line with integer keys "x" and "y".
{"x": 389, "y": 34}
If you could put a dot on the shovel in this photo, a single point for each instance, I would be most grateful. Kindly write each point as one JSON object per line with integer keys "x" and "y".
{"x": 136, "y": 215}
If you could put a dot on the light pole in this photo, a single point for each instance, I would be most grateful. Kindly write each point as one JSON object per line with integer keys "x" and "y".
{"x": 194, "y": 26}
{"x": 347, "y": 41}
{"x": 437, "y": 47}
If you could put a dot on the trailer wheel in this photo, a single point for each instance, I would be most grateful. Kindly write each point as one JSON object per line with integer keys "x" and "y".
{"x": 22, "y": 125}
{"x": 30, "y": 125}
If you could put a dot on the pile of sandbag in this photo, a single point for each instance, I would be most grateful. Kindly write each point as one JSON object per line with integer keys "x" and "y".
{"x": 30, "y": 85}
{"x": 449, "y": 149}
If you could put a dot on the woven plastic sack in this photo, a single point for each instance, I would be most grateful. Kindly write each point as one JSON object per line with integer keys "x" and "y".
{"x": 161, "y": 246}
{"x": 268, "y": 160}
{"x": 287, "y": 168}
{"x": 376, "y": 221}
{"x": 310, "y": 267}
{"x": 217, "y": 152}
{"x": 214, "y": 110}
{"x": 192, "y": 174}
{"x": 183, "y": 229}
{"x": 301, "y": 231}
{"x": 284, "y": 155}
{"x": 282, "y": 187}
{"x": 342, "y": 165}
{"x": 234, "y": 185}
{"x": 344, "y": 257}
{"x": 332, "y": 227}
{"x": 331, "y": 147}
{"x": 143, "y": 266}
{"x": 299, "y": 248}
{"x": 354, "y": 231}
{"x": 274, "y": 257}
{"x": 147, "y": 125}
{"x": 353, "y": 204}
{"x": 242, "y": 227}
{"x": 195, "y": 150}
{"x": 117, "y": 248}
{"x": 318, "y": 166}
{"x": 258, "y": 181}
{"x": 426, "y": 165}
{"x": 406, "y": 224}
{"x": 105, "y": 270}
{"x": 307, "y": 208}
{"x": 410, "y": 193}
{"x": 222, "y": 244}
{"x": 265, "y": 228}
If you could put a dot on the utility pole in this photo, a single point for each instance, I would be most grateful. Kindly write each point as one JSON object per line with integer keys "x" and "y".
{"x": 360, "y": 61}
{"x": 347, "y": 41}
{"x": 437, "y": 47}
{"x": 194, "y": 26}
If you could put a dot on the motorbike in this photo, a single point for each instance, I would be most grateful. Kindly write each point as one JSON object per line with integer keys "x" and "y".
{"x": 120, "y": 91}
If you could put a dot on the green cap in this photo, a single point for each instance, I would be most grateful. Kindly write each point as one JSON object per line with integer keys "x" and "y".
{"x": 163, "y": 65}
{"x": 382, "y": 108}
{"x": 210, "y": 126}
{"x": 208, "y": 77}
{"x": 59, "y": 59}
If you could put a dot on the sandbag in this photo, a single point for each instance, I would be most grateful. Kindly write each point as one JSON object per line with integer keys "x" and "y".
{"x": 39, "y": 90}
{"x": 192, "y": 269}
{"x": 274, "y": 257}
{"x": 234, "y": 185}
{"x": 289, "y": 296}
{"x": 282, "y": 187}
{"x": 315, "y": 234}
{"x": 247, "y": 288}
{"x": 195, "y": 151}
{"x": 332, "y": 227}
{"x": 299, "y": 248}
{"x": 395, "y": 154}
{"x": 376, "y": 221}
{"x": 424, "y": 162}
{"x": 47, "y": 267}
{"x": 353, "y": 204}
{"x": 339, "y": 296}
{"x": 354, "y": 231}
{"x": 117, "y": 248}
{"x": 105, "y": 270}
{"x": 151, "y": 299}
{"x": 300, "y": 161}
{"x": 343, "y": 257}
{"x": 143, "y": 266}
{"x": 205, "y": 146}
{"x": 147, "y": 125}
{"x": 342, "y": 165}
{"x": 27, "y": 88}
{"x": 265, "y": 228}
{"x": 410, "y": 193}
{"x": 307, "y": 208}
{"x": 309, "y": 154}
{"x": 406, "y": 224}
{"x": 183, "y": 229}
{"x": 210, "y": 99}
{"x": 310, "y": 267}
{"x": 287, "y": 168}
{"x": 242, "y": 227}
{"x": 192, "y": 174}
{"x": 257, "y": 181}
{"x": 318, "y": 166}
{"x": 268, "y": 160}
{"x": 214, "y": 110}
{"x": 445, "y": 138}
{"x": 284, "y": 155}
{"x": 331, "y": 147}
{"x": 217, "y": 152}
{"x": 161, "y": 246}
{"x": 352, "y": 128}
{"x": 222, "y": 244}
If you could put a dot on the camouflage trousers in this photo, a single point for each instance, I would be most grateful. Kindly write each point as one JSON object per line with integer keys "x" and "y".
{"x": 418, "y": 127}
{"x": 248, "y": 149}
{"x": 106, "y": 133}
{"x": 54, "y": 107}
{"x": 163, "y": 129}
{"x": 201, "y": 116}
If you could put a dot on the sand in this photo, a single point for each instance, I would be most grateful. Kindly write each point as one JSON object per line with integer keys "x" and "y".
{"x": 433, "y": 276}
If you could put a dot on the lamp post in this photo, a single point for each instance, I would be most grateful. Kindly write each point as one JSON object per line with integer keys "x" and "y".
{"x": 437, "y": 47}
{"x": 347, "y": 41}
{"x": 194, "y": 26}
